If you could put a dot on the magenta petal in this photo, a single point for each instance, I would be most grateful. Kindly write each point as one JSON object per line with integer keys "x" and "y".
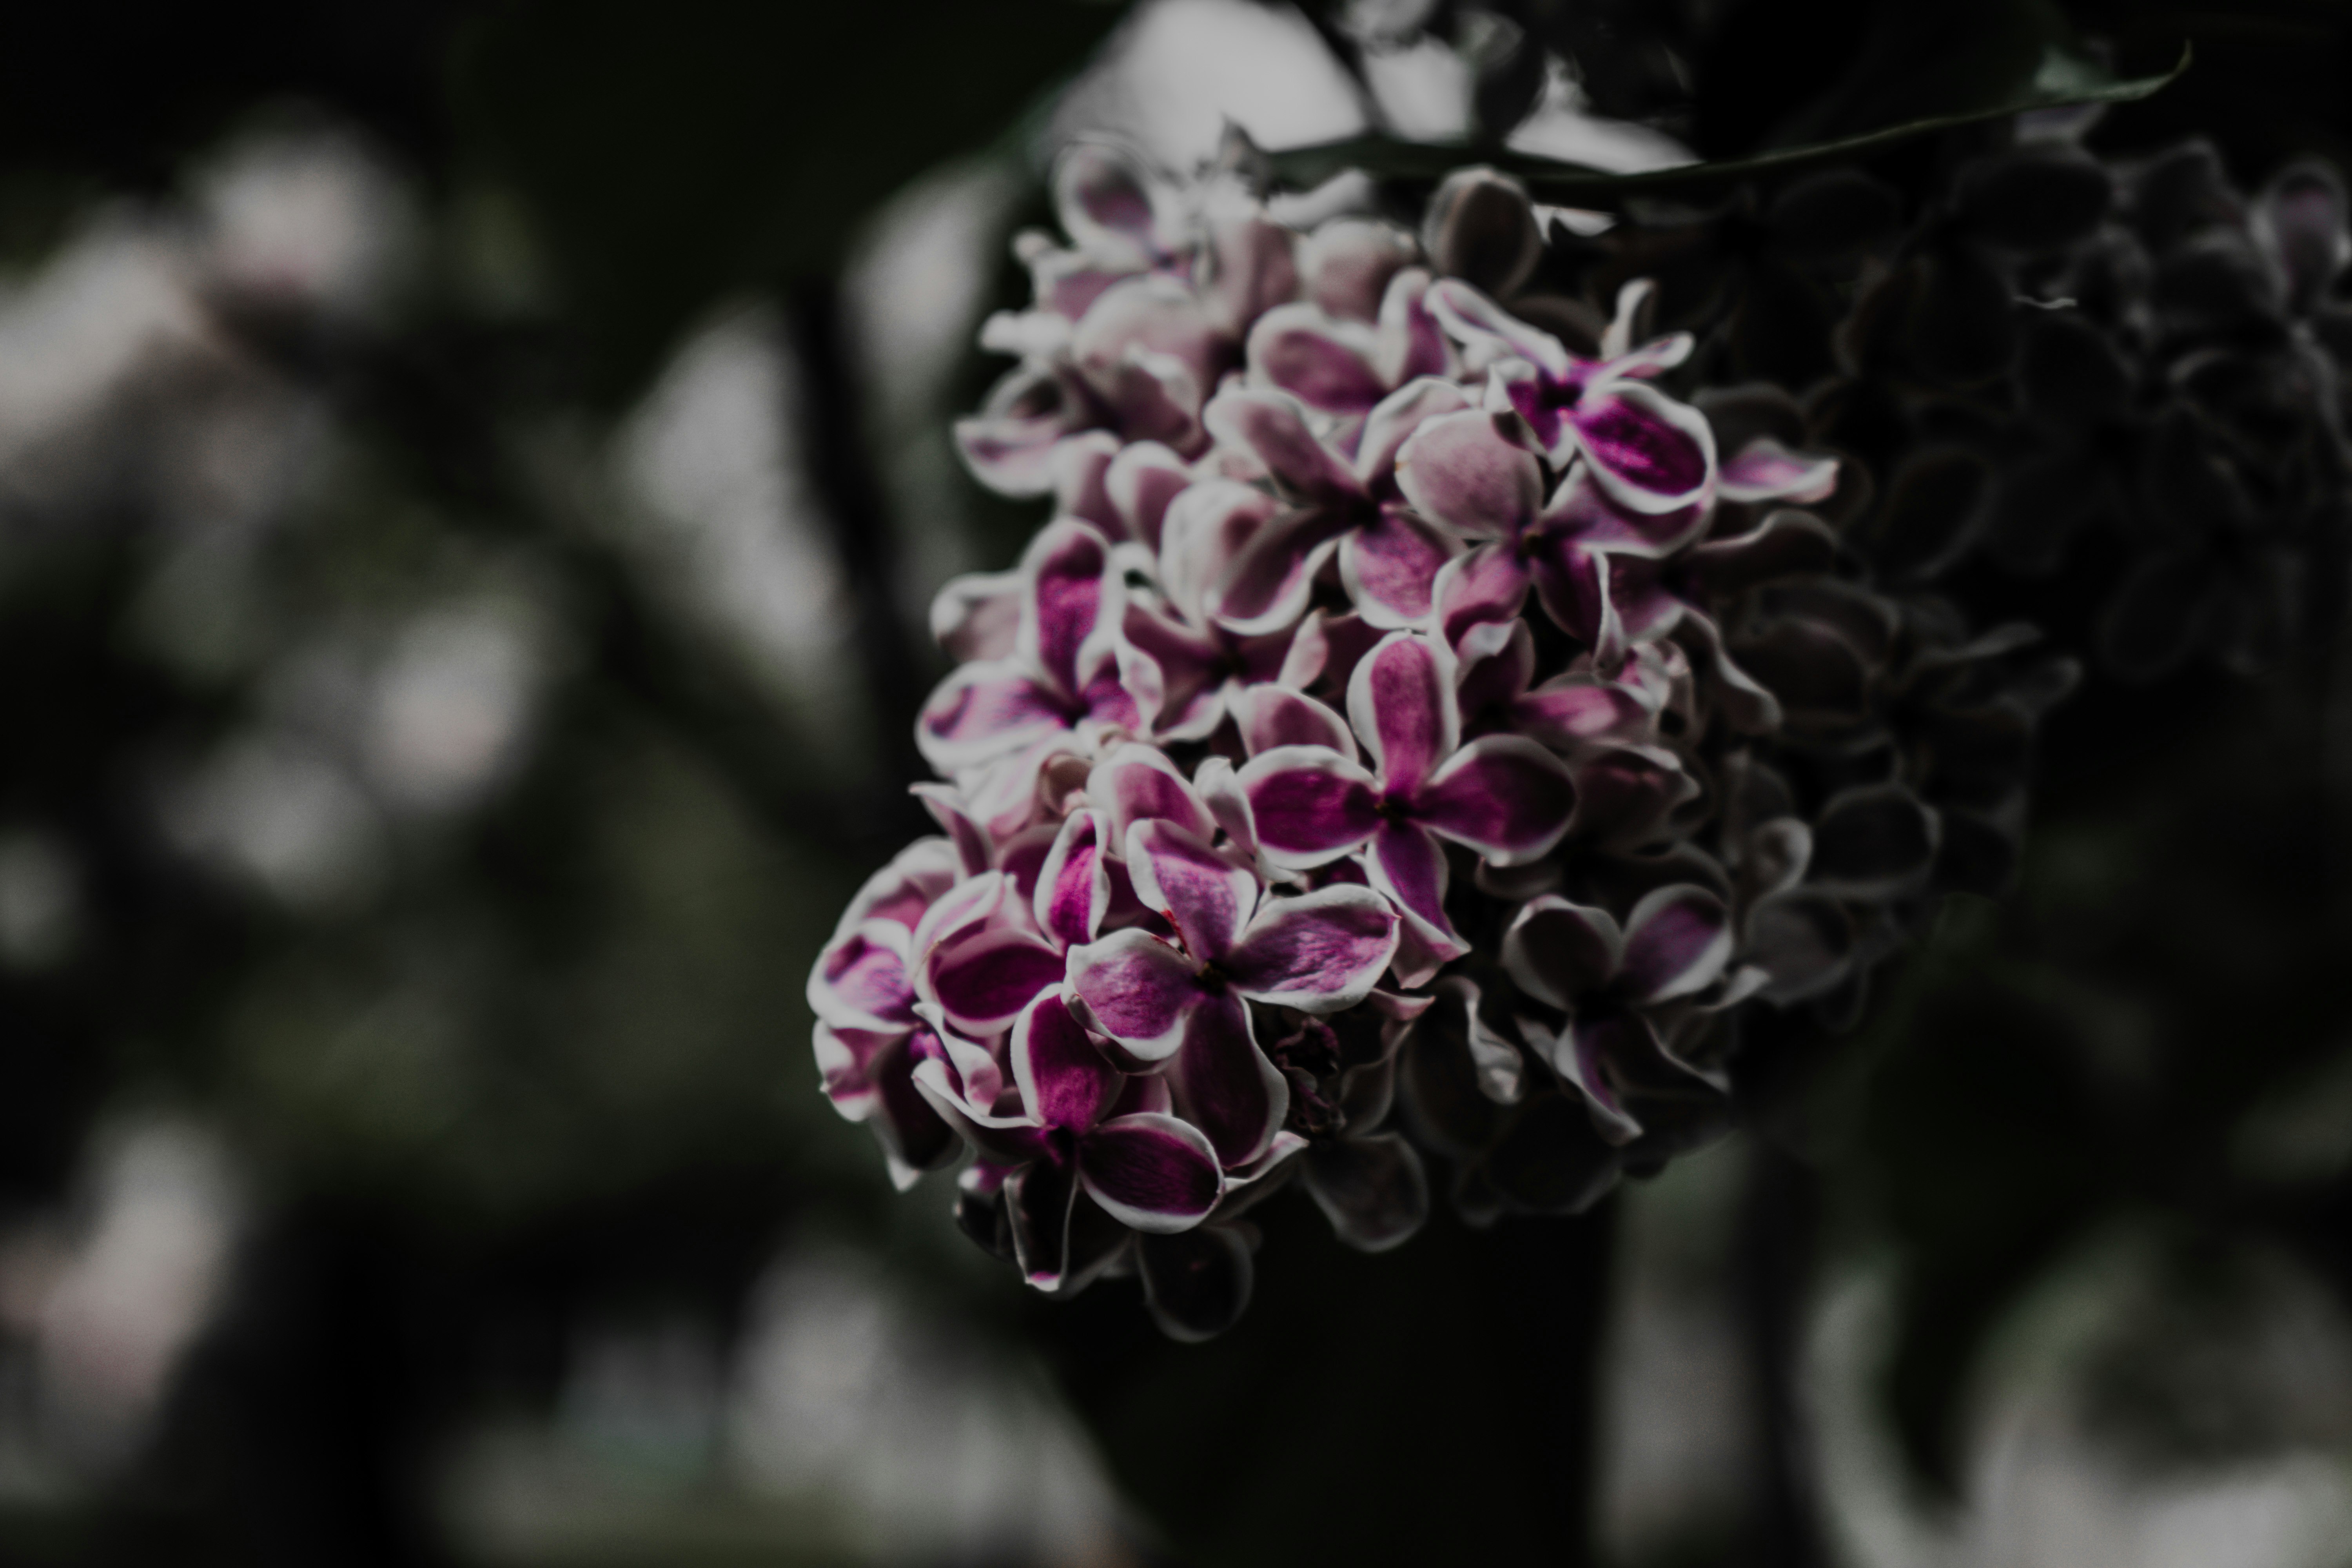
{"x": 1272, "y": 577}
{"x": 1270, "y": 716}
{"x": 1202, "y": 892}
{"x": 1137, "y": 988}
{"x": 1583, "y": 510}
{"x": 1412, "y": 342}
{"x": 1039, "y": 1197}
{"x": 1141, "y": 482}
{"x": 1651, "y": 453}
{"x": 1273, "y": 425}
{"x": 1308, "y": 804}
{"x": 1009, "y": 444}
{"x": 1319, "y": 953}
{"x": 1474, "y": 319}
{"x": 1580, "y": 1056}
{"x": 982, "y": 982}
{"x": 1101, "y": 195}
{"x": 1677, "y": 941}
{"x": 1203, "y": 534}
{"x": 1064, "y": 1080}
{"x": 1408, "y": 868}
{"x": 1556, "y": 951}
{"x": 1065, "y": 568}
{"x": 1224, "y": 1084}
{"x": 860, "y": 981}
{"x": 1080, "y": 463}
{"x": 1389, "y": 564}
{"x": 908, "y": 886}
{"x": 909, "y": 1126}
{"x": 1005, "y": 1140}
{"x": 1399, "y": 417}
{"x": 984, "y": 711}
{"x": 1488, "y": 584}
{"x": 1497, "y": 659}
{"x": 1572, "y": 708}
{"x": 1504, "y": 796}
{"x": 977, "y": 616}
{"x": 1138, "y": 783}
{"x": 1152, "y": 1172}
{"x": 1326, "y": 365}
{"x": 1765, "y": 470}
{"x": 1401, "y": 700}
{"x": 1074, "y": 884}
{"x": 1460, "y": 471}
{"x": 1573, "y": 583}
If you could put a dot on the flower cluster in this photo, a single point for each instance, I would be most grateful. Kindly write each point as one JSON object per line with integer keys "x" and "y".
{"x": 1411, "y": 734}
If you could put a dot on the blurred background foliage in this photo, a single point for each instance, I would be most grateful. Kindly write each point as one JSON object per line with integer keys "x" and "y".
{"x": 470, "y": 478}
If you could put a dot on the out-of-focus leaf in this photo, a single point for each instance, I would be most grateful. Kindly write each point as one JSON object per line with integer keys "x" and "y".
{"x": 671, "y": 153}
{"x": 2062, "y": 79}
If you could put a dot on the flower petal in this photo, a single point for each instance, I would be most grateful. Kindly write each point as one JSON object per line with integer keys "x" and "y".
{"x": 1009, "y": 444}
{"x": 1196, "y": 1284}
{"x": 1389, "y": 565}
{"x": 1408, "y": 869}
{"x": 1137, "y": 989}
{"x": 1348, "y": 264}
{"x": 1272, "y": 425}
{"x": 1308, "y": 804}
{"x": 1203, "y": 532}
{"x": 1461, "y": 472}
{"x": 1138, "y": 783}
{"x": 860, "y": 981}
{"x": 1270, "y": 716}
{"x": 1677, "y": 941}
{"x": 982, "y": 982}
{"x": 1556, "y": 951}
{"x": 1583, "y": 509}
{"x": 1063, "y": 1078}
{"x": 1039, "y": 1198}
{"x": 1401, "y": 700}
{"x": 1372, "y": 1190}
{"x": 1489, "y": 586}
{"x": 1202, "y": 892}
{"x": 1399, "y": 417}
{"x": 1152, "y": 1172}
{"x": 1765, "y": 470}
{"x": 1272, "y": 577}
{"x": 1067, "y": 592}
{"x": 982, "y": 711}
{"x": 1504, "y": 796}
{"x": 976, "y": 616}
{"x": 1074, "y": 885}
{"x": 1648, "y": 452}
{"x": 1474, "y": 321}
{"x": 1325, "y": 363}
{"x": 1141, "y": 482}
{"x": 1319, "y": 953}
{"x": 1224, "y": 1084}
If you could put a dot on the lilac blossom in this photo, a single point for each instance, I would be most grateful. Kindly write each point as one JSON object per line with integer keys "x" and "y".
{"x": 1284, "y": 840}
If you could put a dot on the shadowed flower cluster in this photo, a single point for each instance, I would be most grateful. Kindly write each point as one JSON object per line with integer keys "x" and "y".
{"x": 1414, "y": 733}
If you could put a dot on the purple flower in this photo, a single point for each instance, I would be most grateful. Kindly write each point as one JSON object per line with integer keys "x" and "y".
{"x": 1387, "y": 555}
{"x": 1503, "y": 796}
{"x": 1648, "y": 452}
{"x": 1183, "y": 999}
{"x": 1080, "y": 1125}
{"x": 1070, "y": 682}
{"x": 1611, "y": 981}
